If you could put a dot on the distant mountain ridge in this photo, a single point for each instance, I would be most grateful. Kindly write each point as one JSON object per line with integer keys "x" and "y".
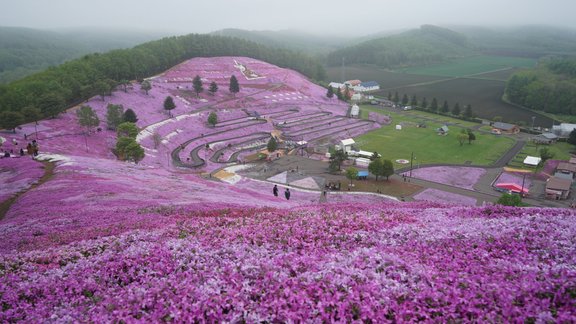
{"x": 426, "y": 45}
{"x": 290, "y": 39}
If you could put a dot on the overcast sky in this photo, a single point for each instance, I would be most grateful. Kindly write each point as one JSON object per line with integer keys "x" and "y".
{"x": 336, "y": 16}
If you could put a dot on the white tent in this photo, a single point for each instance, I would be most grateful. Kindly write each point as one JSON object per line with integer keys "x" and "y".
{"x": 398, "y": 127}
{"x": 532, "y": 160}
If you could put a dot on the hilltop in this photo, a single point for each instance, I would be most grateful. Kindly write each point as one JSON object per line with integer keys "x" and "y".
{"x": 183, "y": 236}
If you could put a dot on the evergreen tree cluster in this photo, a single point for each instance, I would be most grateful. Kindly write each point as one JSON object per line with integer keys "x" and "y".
{"x": 57, "y": 88}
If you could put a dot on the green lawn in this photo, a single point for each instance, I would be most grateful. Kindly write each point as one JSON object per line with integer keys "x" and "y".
{"x": 427, "y": 146}
{"x": 472, "y": 65}
{"x": 560, "y": 150}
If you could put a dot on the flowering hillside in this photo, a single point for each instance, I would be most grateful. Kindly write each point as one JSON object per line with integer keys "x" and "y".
{"x": 103, "y": 240}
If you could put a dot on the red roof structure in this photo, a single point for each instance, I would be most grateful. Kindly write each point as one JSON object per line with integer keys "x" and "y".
{"x": 512, "y": 187}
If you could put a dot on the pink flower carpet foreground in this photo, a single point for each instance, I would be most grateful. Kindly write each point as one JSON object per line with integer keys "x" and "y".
{"x": 330, "y": 263}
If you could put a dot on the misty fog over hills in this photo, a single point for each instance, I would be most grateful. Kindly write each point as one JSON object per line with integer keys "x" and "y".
{"x": 24, "y": 51}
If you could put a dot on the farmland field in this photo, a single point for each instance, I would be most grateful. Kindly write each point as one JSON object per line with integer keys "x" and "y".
{"x": 471, "y": 65}
{"x": 484, "y": 96}
{"x": 428, "y": 147}
{"x": 483, "y": 88}
{"x": 386, "y": 79}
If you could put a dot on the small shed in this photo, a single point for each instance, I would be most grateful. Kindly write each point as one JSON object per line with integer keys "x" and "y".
{"x": 558, "y": 188}
{"x": 532, "y": 160}
{"x": 346, "y": 144}
{"x": 442, "y": 130}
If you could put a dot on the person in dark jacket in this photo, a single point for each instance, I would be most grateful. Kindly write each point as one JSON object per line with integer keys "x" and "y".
{"x": 287, "y": 194}
{"x": 275, "y": 190}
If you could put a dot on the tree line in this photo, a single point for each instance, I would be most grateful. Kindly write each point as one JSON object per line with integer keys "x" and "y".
{"x": 551, "y": 87}
{"x": 46, "y": 94}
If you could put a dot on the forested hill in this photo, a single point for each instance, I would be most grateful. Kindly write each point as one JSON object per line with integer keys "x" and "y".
{"x": 522, "y": 41}
{"x": 24, "y": 51}
{"x": 47, "y": 93}
{"x": 551, "y": 87}
{"x": 427, "y": 45}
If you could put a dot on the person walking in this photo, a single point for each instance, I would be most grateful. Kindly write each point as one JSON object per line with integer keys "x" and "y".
{"x": 275, "y": 190}
{"x": 287, "y": 194}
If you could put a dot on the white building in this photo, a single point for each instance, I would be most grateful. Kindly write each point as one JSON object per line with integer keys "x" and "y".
{"x": 367, "y": 86}
{"x": 563, "y": 130}
{"x": 346, "y": 144}
{"x": 336, "y": 85}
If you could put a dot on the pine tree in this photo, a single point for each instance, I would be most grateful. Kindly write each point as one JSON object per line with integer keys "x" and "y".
{"x": 213, "y": 88}
{"x": 272, "y": 145}
{"x": 456, "y": 110}
{"x": 212, "y": 119}
{"x": 468, "y": 112}
{"x": 572, "y": 137}
{"x": 197, "y": 85}
{"x": 234, "y": 86}
{"x": 434, "y": 105}
{"x": 405, "y": 99}
{"x": 445, "y": 108}
{"x": 129, "y": 116}
{"x": 424, "y": 103}
{"x": 169, "y": 105}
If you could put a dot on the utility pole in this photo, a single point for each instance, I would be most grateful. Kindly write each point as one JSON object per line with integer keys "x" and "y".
{"x": 411, "y": 161}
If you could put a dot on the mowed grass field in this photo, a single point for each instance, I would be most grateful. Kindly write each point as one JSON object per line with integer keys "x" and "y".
{"x": 471, "y": 66}
{"x": 427, "y": 146}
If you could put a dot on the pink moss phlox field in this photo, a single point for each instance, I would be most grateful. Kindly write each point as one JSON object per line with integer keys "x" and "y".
{"x": 113, "y": 241}
{"x": 462, "y": 177}
{"x": 18, "y": 174}
{"x": 431, "y": 194}
{"x": 333, "y": 263}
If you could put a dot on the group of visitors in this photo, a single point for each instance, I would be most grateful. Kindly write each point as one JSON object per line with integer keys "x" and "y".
{"x": 31, "y": 149}
{"x": 286, "y": 192}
